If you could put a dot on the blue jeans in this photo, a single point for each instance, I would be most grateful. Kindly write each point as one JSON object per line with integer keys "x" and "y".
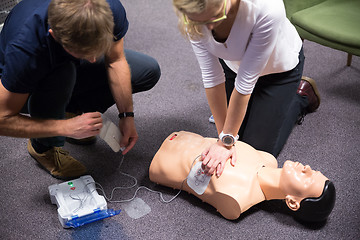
{"x": 273, "y": 109}
{"x": 83, "y": 87}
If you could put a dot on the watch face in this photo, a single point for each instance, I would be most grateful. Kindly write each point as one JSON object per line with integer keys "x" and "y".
{"x": 228, "y": 140}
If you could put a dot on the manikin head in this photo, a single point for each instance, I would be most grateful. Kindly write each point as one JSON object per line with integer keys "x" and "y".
{"x": 308, "y": 193}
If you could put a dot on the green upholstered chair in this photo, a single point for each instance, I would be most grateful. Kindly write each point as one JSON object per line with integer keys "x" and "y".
{"x": 332, "y": 23}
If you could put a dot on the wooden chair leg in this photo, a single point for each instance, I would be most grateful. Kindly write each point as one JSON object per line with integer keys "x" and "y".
{"x": 349, "y": 58}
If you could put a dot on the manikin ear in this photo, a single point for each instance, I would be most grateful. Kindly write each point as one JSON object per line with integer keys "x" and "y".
{"x": 292, "y": 202}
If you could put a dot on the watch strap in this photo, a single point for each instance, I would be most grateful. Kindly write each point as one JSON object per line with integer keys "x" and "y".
{"x": 126, "y": 114}
{"x": 222, "y": 135}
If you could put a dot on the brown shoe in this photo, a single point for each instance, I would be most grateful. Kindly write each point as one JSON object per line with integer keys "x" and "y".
{"x": 83, "y": 141}
{"x": 58, "y": 163}
{"x": 308, "y": 88}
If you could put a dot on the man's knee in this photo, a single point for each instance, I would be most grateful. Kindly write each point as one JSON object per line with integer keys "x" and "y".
{"x": 153, "y": 75}
{"x": 145, "y": 71}
{"x": 61, "y": 80}
{"x": 53, "y": 93}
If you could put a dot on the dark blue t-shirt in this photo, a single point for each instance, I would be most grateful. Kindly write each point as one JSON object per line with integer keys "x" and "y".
{"x": 28, "y": 53}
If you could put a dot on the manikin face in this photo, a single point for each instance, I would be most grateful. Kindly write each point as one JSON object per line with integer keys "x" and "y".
{"x": 301, "y": 181}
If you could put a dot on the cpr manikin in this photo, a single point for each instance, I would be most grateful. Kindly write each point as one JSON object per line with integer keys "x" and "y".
{"x": 254, "y": 178}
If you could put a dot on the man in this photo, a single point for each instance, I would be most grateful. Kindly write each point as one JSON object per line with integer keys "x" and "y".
{"x": 67, "y": 56}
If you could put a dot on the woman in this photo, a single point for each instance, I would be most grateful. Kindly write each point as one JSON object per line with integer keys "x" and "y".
{"x": 261, "y": 55}
{"x": 253, "y": 179}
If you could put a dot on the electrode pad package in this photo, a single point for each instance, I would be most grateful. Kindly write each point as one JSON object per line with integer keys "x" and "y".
{"x": 79, "y": 203}
{"x": 111, "y": 134}
{"x": 197, "y": 180}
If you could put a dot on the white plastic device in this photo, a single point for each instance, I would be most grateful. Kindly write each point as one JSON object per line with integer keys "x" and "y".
{"x": 111, "y": 134}
{"x": 197, "y": 180}
{"x": 78, "y": 202}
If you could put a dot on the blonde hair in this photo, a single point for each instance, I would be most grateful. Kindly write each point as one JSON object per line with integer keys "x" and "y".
{"x": 82, "y": 26}
{"x": 182, "y": 7}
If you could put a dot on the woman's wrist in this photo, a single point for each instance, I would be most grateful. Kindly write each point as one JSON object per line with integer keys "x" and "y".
{"x": 221, "y": 144}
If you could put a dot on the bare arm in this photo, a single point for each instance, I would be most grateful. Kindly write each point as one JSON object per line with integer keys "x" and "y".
{"x": 236, "y": 112}
{"x": 120, "y": 85}
{"x": 227, "y": 120}
{"x": 14, "y": 124}
{"x": 216, "y": 97}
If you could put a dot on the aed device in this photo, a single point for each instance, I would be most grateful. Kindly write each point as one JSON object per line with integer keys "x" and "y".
{"x": 77, "y": 200}
{"x": 79, "y": 203}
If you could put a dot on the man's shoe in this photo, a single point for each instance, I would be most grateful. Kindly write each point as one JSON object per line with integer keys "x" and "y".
{"x": 83, "y": 141}
{"x": 308, "y": 88}
{"x": 58, "y": 163}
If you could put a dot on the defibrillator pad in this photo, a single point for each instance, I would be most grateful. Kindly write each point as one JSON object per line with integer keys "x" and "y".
{"x": 197, "y": 180}
{"x": 111, "y": 134}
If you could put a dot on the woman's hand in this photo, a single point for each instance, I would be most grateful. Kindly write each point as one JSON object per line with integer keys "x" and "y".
{"x": 215, "y": 157}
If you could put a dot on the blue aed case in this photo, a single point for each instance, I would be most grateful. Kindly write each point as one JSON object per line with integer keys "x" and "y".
{"x": 79, "y": 203}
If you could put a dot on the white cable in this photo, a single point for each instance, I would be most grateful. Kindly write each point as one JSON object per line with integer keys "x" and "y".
{"x": 109, "y": 199}
{"x": 81, "y": 199}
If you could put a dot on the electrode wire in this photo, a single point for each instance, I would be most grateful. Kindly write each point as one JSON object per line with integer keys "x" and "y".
{"x": 162, "y": 199}
{"x": 99, "y": 187}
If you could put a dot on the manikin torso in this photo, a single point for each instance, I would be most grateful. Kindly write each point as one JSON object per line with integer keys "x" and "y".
{"x": 231, "y": 193}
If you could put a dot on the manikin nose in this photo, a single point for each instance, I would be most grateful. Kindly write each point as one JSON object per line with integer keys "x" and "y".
{"x": 307, "y": 170}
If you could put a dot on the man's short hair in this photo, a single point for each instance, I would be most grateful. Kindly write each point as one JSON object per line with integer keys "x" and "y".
{"x": 84, "y": 27}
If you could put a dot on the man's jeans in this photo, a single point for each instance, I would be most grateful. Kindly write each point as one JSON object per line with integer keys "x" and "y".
{"x": 84, "y": 87}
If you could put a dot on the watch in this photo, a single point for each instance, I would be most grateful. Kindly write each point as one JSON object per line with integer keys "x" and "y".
{"x": 126, "y": 114}
{"x": 228, "y": 139}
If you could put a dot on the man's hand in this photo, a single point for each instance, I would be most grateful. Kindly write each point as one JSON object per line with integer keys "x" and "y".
{"x": 130, "y": 136}
{"x": 215, "y": 157}
{"x": 83, "y": 126}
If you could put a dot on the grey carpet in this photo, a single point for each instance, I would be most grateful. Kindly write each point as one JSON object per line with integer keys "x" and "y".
{"x": 328, "y": 141}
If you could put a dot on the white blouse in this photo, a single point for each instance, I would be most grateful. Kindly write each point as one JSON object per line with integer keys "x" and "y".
{"x": 261, "y": 41}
